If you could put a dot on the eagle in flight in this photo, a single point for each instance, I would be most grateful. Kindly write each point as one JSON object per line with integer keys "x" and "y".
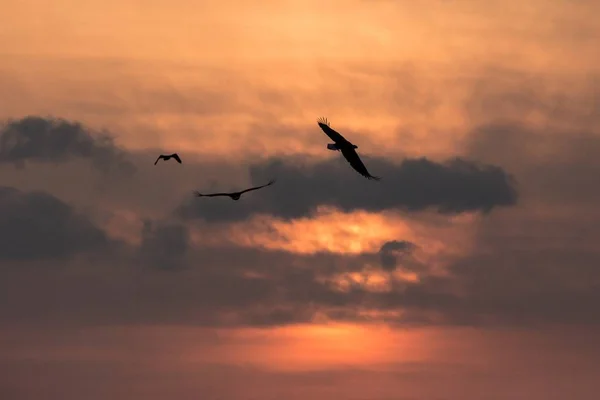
{"x": 234, "y": 195}
{"x": 166, "y": 157}
{"x": 347, "y": 149}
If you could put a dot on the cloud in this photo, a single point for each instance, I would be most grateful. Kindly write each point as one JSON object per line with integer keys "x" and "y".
{"x": 164, "y": 245}
{"x": 391, "y": 251}
{"x": 225, "y": 286}
{"x": 559, "y": 165}
{"x": 51, "y": 140}
{"x": 37, "y": 225}
{"x": 454, "y": 186}
{"x": 532, "y": 263}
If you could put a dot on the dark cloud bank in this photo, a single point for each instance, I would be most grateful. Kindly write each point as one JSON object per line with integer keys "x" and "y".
{"x": 454, "y": 186}
{"x": 516, "y": 275}
{"x": 37, "y": 225}
{"x": 53, "y": 140}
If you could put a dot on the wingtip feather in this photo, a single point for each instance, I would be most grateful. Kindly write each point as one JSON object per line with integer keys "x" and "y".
{"x": 323, "y": 121}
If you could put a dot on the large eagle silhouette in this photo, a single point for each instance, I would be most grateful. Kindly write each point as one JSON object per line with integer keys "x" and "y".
{"x": 347, "y": 149}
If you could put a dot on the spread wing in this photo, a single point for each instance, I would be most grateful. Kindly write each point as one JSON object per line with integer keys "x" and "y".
{"x": 333, "y": 135}
{"x": 198, "y": 194}
{"x": 176, "y": 157}
{"x": 159, "y": 157}
{"x": 352, "y": 156}
{"x": 258, "y": 187}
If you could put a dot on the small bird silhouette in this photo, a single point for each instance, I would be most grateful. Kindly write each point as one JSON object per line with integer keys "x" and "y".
{"x": 166, "y": 157}
{"x": 347, "y": 149}
{"x": 234, "y": 195}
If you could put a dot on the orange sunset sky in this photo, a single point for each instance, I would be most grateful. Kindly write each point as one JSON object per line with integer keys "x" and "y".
{"x": 470, "y": 271}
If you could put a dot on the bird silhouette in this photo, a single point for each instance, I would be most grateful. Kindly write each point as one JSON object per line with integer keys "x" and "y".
{"x": 166, "y": 157}
{"x": 346, "y": 148}
{"x": 233, "y": 195}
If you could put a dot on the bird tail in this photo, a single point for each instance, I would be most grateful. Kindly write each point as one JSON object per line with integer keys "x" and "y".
{"x": 376, "y": 178}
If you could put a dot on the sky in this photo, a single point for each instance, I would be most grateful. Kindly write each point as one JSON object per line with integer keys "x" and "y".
{"x": 470, "y": 271}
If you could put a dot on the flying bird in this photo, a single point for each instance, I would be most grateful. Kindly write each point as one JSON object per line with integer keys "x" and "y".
{"x": 347, "y": 149}
{"x": 166, "y": 157}
{"x": 234, "y": 195}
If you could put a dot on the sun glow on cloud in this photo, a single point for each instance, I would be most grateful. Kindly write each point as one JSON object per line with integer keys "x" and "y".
{"x": 330, "y": 230}
{"x": 373, "y": 281}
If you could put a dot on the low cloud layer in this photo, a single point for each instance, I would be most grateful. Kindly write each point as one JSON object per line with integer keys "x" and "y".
{"x": 236, "y": 286}
{"x": 415, "y": 185}
{"x": 50, "y": 140}
{"x": 164, "y": 245}
{"x": 533, "y": 282}
{"x": 39, "y": 226}
{"x": 393, "y": 252}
